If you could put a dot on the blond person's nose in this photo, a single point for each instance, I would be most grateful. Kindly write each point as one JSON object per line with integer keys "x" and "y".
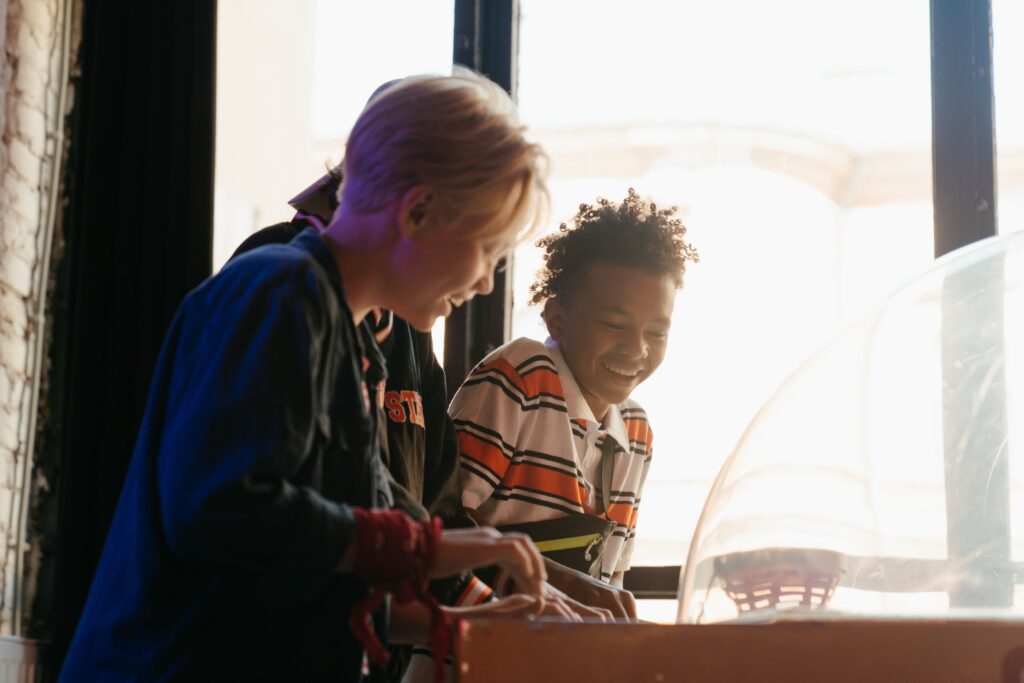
{"x": 485, "y": 285}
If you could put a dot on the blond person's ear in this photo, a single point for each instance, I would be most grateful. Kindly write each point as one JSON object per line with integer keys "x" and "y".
{"x": 554, "y": 316}
{"x": 415, "y": 209}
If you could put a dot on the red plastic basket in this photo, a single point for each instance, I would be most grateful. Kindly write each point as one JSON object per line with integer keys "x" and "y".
{"x": 779, "y": 578}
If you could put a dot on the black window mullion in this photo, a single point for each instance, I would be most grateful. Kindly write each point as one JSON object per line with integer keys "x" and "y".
{"x": 963, "y": 126}
{"x": 974, "y": 419}
{"x": 486, "y": 34}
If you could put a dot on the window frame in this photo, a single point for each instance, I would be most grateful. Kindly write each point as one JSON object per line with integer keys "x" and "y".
{"x": 963, "y": 175}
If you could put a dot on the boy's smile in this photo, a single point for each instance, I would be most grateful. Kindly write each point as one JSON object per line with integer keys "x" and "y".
{"x": 442, "y": 274}
{"x": 613, "y": 330}
{"x": 437, "y": 263}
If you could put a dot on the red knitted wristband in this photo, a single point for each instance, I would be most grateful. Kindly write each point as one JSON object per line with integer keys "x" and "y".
{"x": 391, "y": 546}
{"x": 394, "y": 553}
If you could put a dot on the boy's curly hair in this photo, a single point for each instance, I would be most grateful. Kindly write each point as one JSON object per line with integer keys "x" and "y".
{"x": 634, "y": 233}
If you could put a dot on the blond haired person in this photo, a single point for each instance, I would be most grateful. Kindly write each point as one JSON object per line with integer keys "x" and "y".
{"x": 250, "y": 540}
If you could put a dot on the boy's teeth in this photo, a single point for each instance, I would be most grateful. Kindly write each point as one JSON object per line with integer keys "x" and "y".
{"x": 619, "y": 371}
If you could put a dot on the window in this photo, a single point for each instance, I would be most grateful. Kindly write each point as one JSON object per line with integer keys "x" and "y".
{"x": 795, "y": 138}
{"x": 801, "y": 165}
{"x": 292, "y": 78}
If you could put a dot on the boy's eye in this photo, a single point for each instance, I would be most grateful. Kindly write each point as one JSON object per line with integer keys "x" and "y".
{"x": 658, "y": 334}
{"x": 614, "y": 326}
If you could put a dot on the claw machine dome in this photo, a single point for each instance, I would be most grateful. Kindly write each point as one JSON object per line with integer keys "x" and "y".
{"x": 885, "y": 478}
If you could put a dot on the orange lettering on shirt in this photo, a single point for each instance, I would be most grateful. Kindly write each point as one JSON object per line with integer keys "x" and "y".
{"x": 393, "y": 404}
{"x": 415, "y": 404}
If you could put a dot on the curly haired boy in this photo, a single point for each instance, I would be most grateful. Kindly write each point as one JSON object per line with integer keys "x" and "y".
{"x": 534, "y": 419}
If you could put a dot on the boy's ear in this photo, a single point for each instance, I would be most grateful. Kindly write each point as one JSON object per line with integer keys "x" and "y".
{"x": 554, "y": 316}
{"x": 414, "y": 209}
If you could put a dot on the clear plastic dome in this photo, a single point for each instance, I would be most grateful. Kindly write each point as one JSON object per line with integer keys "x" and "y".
{"x": 885, "y": 478}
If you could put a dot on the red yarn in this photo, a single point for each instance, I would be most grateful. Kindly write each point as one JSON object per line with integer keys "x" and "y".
{"x": 394, "y": 554}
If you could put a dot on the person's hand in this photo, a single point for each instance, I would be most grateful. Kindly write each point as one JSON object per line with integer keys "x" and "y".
{"x": 578, "y": 609}
{"x": 462, "y": 549}
{"x": 552, "y": 604}
{"x": 591, "y": 592}
{"x": 518, "y": 606}
{"x": 513, "y": 607}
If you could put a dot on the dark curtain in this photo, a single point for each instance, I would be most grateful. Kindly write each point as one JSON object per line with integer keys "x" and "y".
{"x": 138, "y": 227}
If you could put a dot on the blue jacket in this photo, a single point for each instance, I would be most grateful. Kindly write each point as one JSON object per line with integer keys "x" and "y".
{"x": 258, "y": 435}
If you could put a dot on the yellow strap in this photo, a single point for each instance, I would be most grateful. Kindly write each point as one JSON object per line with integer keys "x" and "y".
{"x": 566, "y": 543}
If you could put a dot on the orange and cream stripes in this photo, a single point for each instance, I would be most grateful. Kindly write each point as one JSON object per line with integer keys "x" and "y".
{"x": 531, "y": 448}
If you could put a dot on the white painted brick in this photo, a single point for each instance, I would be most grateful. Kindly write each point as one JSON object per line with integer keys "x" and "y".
{"x": 28, "y": 48}
{"x": 36, "y": 78}
{"x": 10, "y": 439}
{"x": 30, "y": 123}
{"x": 15, "y": 272}
{"x": 29, "y": 60}
{"x": 15, "y": 316}
{"x": 9, "y": 444}
{"x": 11, "y": 184}
{"x": 13, "y": 348}
{"x": 9, "y": 462}
{"x": 8, "y": 609}
{"x": 39, "y": 15}
{"x": 12, "y": 309}
{"x": 25, "y": 203}
{"x": 5, "y": 388}
{"x": 25, "y": 162}
{"x": 30, "y": 84}
{"x": 23, "y": 242}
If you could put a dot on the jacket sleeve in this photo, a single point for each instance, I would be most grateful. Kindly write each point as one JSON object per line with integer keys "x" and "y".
{"x": 489, "y": 416}
{"x": 244, "y": 403}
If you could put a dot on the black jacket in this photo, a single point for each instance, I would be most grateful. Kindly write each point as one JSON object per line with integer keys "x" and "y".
{"x": 422, "y": 452}
{"x": 257, "y": 437}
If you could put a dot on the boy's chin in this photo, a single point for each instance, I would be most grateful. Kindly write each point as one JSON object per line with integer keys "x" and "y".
{"x": 420, "y": 318}
{"x": 616, "y": 395}
{"x": 422, "y": 323}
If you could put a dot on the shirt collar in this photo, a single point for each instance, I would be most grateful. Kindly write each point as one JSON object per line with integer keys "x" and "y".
{"x": 577, "y": 405}
{"x": 310, "y": 240}
{"x": 319, "y": 199}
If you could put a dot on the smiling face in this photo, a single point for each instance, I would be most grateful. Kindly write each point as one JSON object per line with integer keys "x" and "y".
{"x": 439, "y": 262}
{"x": 613, "y": 330}
{"x": 439, "y": 271}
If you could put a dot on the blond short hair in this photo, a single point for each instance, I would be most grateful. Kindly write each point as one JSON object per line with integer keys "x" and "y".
{"x": 459, "y": 134}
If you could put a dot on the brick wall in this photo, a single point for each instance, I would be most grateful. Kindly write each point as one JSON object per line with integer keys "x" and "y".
{"x": 32, "y": 74}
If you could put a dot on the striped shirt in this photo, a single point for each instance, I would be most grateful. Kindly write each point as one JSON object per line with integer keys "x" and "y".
{"x": 531, "y": 448}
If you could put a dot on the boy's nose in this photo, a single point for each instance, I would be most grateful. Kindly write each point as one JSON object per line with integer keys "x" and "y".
{"x": 635, "y": 345}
